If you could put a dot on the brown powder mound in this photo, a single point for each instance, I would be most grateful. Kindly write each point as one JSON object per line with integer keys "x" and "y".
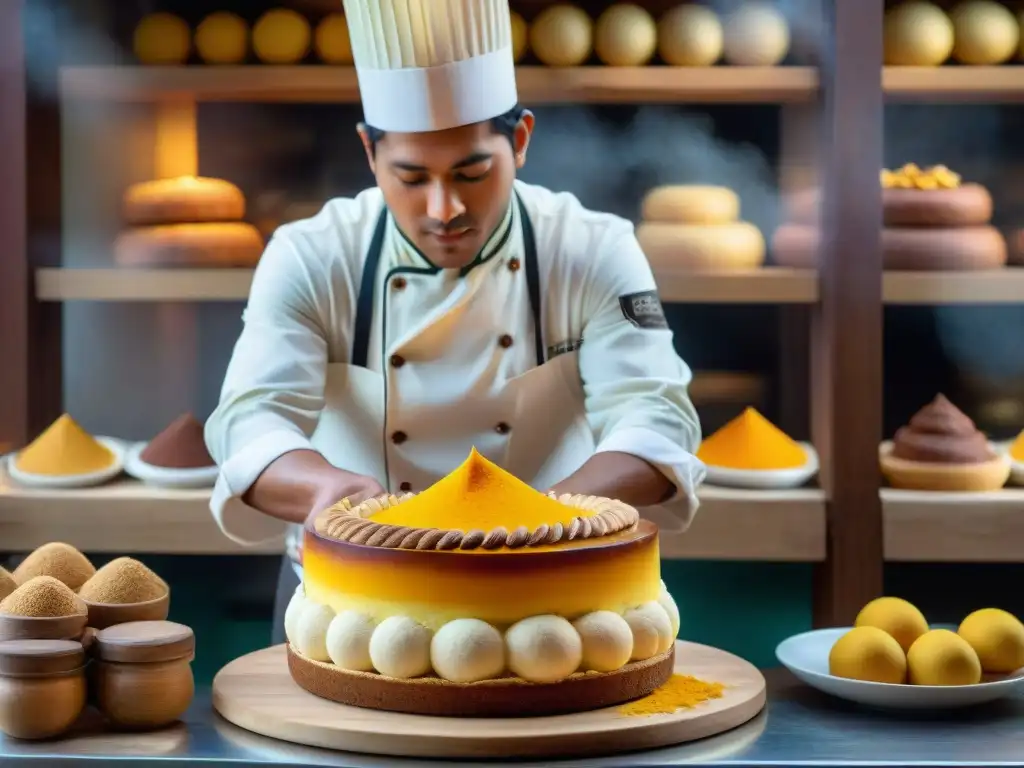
{"x": 180, "y": 446}
{"x": 62, "y": 561}
{"x": 7, "y": 584}
{"x": 122, "y": 581}
{"x": 940, "y": 433}
{"x": 43, "y": 596}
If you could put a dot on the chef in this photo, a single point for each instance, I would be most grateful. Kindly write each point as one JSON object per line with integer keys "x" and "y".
{"x": 450, "y": 306}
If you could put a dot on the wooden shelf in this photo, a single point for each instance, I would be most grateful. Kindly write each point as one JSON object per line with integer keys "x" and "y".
{"x": 127, "y": 516}
{"x": 955, "y": 84}
{"x": 997, "y": 286}
{"x": 764, "y": 286}
{"x": 954, "y": 527}
{"x": 537, "y": 85}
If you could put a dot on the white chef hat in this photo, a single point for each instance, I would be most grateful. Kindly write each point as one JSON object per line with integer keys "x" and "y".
{"x": 428, "y": 65}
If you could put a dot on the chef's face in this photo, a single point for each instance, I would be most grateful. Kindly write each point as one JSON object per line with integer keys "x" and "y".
{"x": 449, "y": 190}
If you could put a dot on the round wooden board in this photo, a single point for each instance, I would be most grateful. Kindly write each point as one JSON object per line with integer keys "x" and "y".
{"x": 256, "y": 692}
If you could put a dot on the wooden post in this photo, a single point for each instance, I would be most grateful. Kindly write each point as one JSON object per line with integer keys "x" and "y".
{"x": 847, "y": 327}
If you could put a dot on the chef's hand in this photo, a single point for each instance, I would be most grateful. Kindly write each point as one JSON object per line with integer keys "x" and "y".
{"x": 345, "y": 485}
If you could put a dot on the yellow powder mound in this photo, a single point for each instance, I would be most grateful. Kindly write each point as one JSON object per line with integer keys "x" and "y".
{"x": 42, "y": 597}
{"x": 680, "y": 692}
{"x": 61, "y": 561}
{"x": 1017, "y": 448}
{"x": 123, "y": 581}
{"x": 64, "y": 449}
{"x": 750, "y": 441}
{"x": 7, "y": 584}
{"x": 479, "y": 495}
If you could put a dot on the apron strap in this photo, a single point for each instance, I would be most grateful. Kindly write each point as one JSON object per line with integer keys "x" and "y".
{"x": 532, "y": 280}
{"x": 364, "y": 303}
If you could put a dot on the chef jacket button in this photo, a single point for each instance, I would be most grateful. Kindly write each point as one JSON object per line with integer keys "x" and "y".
{"x": 513, "y": 265}
{"x": 399, "y": 437}
{"x": 398, "y": 283}
{"x": 397, "y": 361}
{"x": 502, "y": 428}
{"x": 505, "y": 341}
{"x": 405, "y": 487}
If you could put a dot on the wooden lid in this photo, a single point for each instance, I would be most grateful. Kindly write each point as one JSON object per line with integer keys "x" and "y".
{"x": 40, "y": 657}
{"x": 145, "y": 641}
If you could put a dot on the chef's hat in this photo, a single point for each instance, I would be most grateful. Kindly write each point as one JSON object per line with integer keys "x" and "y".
{"x": 427, "y": 65}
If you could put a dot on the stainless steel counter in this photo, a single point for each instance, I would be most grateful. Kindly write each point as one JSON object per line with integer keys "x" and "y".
{"x": 799, "y": 727}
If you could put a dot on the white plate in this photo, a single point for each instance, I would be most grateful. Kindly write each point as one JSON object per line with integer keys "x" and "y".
{"x": 165, "y": 477}
{"x": 117, "y": 447}
{"x": 1016, "y": 467}
{"x": 765, "y": 478}
{"x": 806, "y": 656}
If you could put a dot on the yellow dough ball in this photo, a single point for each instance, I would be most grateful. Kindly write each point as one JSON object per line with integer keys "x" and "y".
{"x": 941, "y": 657}
{"x": 281, "y": 36}
{"x": 1020, "y": 25}
{"x": 625, "y": 35}
{"x": 868, "y": 653}
{"x": 222, "y": 38}
{"x": 562, "y": 36}
{"x": 985, "y": 32}
{"x": 162, "y": 38}
{"x": 756, "y": 35}
{"x": 895, "y": 616}
{"x": 331, "y": 41}
{"x": 690, "y": 36}
{"x": 997, "y": 637}
{"x": 917, "y": 34}
{"x": 520, "y": 36}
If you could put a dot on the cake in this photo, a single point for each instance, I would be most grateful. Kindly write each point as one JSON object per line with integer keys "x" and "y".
{"x": 942, "y": 450}
{"x": 481, "y": 597}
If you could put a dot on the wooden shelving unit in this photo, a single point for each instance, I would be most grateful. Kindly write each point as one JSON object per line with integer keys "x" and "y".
{"x": 997, "y": 286}
{"x": 955, "y": 84}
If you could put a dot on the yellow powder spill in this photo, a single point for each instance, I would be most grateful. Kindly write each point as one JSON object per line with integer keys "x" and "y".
{"x": 7, "y": 584}
{"x": 64, "y": 449}
{"x": 680, "y": 692}
{"x": 750, "y": 441}
{"x": 121, "y": 581}
{"x": 42, "y": 596}
{"x": 1017, "y": 448}
{"x": 61, "y": 561}
{"x": 479, "y": 495}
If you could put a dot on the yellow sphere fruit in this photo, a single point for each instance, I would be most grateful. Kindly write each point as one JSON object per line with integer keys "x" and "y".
{"x": 917, "y": 34}
{"x": 690, "y": 36}
{"x": 897, "y": 617}
{"x": 985, "y": 33}
{"x": 997, "y": 637}
{"x": 868, "y": 653}
{"x": 281, "y": 36}
{"x": 520, "y": 36}
{"x": 756, "y": 35}
{"x": 562, "y": 36}
{"x": 331, "y": 40}
{"x": 942, "y": 657}
{"x": 162, "y": 38}
{"x": 222, "y": 38}
{"x": 625, "y": 35}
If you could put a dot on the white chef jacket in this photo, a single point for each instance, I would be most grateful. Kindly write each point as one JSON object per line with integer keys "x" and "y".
{"x": 451, "y": 360}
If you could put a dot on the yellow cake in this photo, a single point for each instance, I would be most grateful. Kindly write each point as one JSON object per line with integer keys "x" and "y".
{"x": 481, "y": 580}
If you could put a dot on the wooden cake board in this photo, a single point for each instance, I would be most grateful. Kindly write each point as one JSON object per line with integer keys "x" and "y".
{"x": 256, "y": 692}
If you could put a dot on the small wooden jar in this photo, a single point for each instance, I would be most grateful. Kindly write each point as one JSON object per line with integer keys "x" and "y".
{"x": 42, "y": 687}
{"x": 143, "y": 676}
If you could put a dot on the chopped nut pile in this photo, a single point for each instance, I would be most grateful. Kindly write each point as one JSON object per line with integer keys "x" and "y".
{"x": 910, "y": 176}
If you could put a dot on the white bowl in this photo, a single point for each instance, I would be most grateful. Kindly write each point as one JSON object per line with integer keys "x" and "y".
{"x": 806, "y": 656}
{"x": 117, "y": 447}
{"x": 765, "y": 479}
{"x": 166, "y": 477}
{"x": 1016, "y": 467}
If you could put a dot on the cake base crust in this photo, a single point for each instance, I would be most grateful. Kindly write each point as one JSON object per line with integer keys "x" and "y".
{"x": 504, "y": 697}
{"x": 923, "y": 476}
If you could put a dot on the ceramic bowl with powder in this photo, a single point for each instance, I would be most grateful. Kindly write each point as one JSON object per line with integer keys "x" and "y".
{"x": 43, "y": 597}
{"x": 123, "y": 581}
{"x": 58, "y": 560}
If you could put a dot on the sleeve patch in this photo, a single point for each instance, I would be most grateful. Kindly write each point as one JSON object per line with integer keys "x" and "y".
{"x": 644, "y": 310}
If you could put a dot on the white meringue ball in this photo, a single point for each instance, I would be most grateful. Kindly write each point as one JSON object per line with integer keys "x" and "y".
{"x": 348, "y": 641}
{"x": 467, "y": 650}
{"x": 666, "y": 601}
{"x": 543, "y": 649}
{"x": 607, "y": 641}
{"x": 652, "y": 630}
{"x": 311, "y": 631}
{"x": 400, "y": 647}
{"x": 291, "y": 616}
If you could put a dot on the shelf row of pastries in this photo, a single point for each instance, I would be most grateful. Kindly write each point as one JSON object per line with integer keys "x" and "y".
{"x": 973, "y": 32}
{"x": 755, "y": 33}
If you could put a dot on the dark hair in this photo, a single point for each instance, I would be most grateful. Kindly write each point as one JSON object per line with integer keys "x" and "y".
{"x": 505, "y": 124}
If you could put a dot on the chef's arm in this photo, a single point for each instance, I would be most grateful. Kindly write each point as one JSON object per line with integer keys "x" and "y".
{"x": 617, "y": 475}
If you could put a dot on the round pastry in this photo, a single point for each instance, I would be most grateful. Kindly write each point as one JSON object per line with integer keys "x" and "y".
{"x": 222, "y": 38}
{"x": 941, "y": 450}
{"x": 183, "y": 200}
{"x": 965, "y": 206}
{"x": 985, "y": 31}
{"x": 756, "y": 35}
{"x": 739, "y": 245}
{"x": 562, "y": 36}
{"x": 917, "y": 34}
{"x": 226, "y": 244}
{"x": 905, "y": 248}
{"x": 690, "y": 36}
{"x": 331, "y": 40}
{"x": 625, "y": 35}
{"x": 162, "y": 38}
{"x": 281, "y": 36}
{"x": 690, "y": 204}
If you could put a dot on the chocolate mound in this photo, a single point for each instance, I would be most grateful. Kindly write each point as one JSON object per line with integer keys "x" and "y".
{"x": 180, "y": 446}
{"x": 940, "y": 433}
